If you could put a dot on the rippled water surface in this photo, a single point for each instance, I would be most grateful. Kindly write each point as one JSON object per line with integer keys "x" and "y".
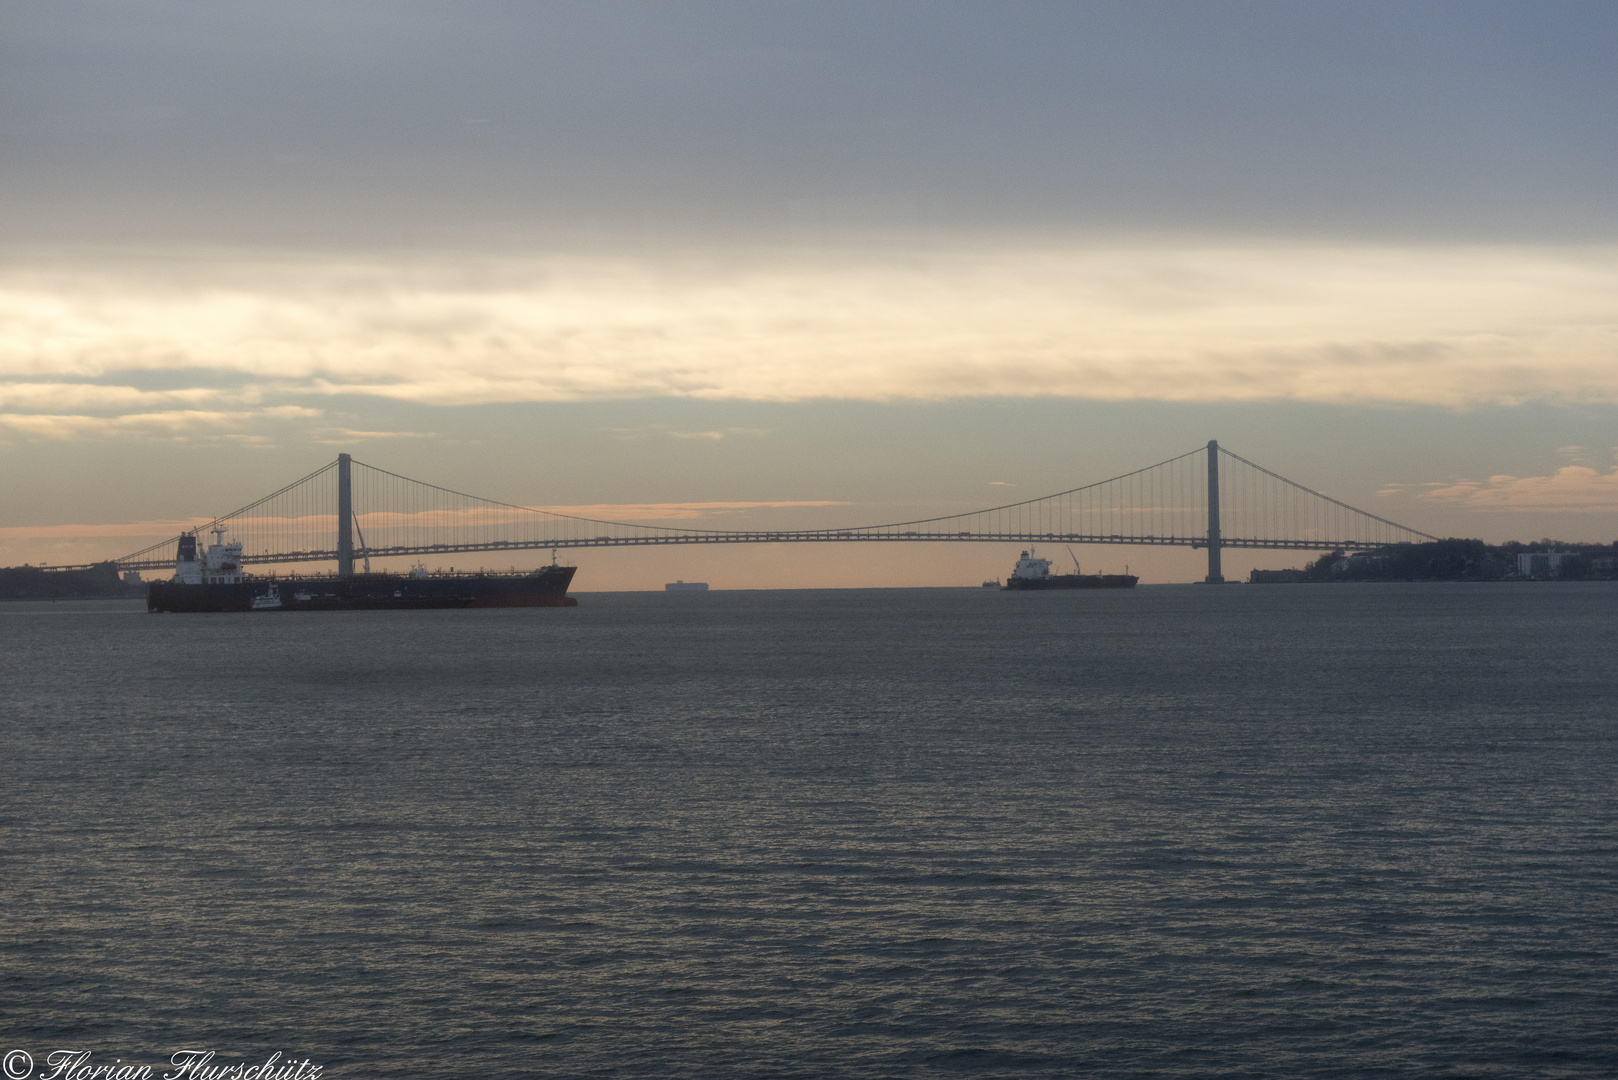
{"x": 1179, "y": 831}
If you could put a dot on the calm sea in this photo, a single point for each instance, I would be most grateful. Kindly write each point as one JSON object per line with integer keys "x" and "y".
{"x": 1178, "y": 832}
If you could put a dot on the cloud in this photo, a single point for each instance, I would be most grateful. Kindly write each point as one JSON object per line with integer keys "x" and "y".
{"x": 46, "y": 396}
{"x": 673, "y": 511}
{"x": 132, "y": 530}
{"x": 176, "y": 424}
{"x": 349, "y": 436}
{"x": 1575, "y": 488}
{"x": 1458, "y": 326}
{"x": 660, "y": 431}
{"x": 486, "y": 515}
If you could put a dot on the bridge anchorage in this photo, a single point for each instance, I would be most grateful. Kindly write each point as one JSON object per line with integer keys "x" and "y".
{"x": 348, "y": 510}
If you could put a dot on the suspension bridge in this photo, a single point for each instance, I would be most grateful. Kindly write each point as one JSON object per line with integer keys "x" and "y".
{"x": 348, "y": 512}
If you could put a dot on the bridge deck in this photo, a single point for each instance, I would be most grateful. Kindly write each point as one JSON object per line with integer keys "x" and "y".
{"x": 815, "y": 537}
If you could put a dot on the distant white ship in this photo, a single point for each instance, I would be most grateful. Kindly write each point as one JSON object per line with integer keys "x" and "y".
{"x": 686, "y": 586}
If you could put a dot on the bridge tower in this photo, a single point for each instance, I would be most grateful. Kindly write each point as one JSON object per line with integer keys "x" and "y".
{"x": 345, "y": 516}
{"x": 1215, "y": 577}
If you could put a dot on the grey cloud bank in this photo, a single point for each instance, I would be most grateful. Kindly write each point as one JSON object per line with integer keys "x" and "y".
{"x": 491, "y": 125}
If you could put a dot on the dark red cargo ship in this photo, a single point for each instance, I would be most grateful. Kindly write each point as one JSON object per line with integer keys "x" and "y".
{"x": 214, "y": 581}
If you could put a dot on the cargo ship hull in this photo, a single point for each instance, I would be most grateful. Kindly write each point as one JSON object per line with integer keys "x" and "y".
{"x": 546, "y": 587}
{"x": 1073, "y": 581}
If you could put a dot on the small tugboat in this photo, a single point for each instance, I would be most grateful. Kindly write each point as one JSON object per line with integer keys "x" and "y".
{"x": 1035, "y": 573}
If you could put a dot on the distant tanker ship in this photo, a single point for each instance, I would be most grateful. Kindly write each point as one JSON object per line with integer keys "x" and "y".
{"x": 214, "y": 581}
{"x": 1035, "y": 573}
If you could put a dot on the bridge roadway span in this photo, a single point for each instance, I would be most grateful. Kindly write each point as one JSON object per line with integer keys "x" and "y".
{"x": 786, "y": 537}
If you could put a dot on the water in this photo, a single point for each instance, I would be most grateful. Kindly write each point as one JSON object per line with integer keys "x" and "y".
{"x": 1176, "y": 832}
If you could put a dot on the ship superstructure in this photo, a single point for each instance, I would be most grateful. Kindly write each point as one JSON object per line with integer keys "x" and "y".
{"x": 1030, "y": 569}
{"x": 221, "y": 564}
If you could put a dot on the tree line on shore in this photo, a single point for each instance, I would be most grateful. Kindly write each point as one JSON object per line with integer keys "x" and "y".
{"x": 37, "y": 583}
{"x": 1460, "y": 560}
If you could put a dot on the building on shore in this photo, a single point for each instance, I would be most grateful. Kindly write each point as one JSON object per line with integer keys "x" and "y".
{"x": 1542, "y": 564}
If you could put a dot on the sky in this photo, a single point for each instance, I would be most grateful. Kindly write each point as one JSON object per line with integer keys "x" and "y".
{"x": 893, "y": 258}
